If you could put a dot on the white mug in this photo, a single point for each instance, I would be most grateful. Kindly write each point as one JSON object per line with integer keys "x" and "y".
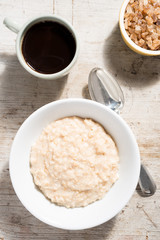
{"x": 21, "y": 33}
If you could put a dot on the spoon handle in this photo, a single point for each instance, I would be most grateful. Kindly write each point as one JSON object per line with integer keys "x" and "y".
{"x": 106, "y": 90}
{"x": 146, "y": 182}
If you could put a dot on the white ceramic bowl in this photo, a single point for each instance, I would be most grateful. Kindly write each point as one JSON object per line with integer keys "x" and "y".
{"x": 97, "y": 212}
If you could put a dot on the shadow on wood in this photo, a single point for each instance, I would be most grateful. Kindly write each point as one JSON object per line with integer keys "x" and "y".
{"x": 127, "y": 66}
{"x": 85, "y": 92}
{"x": 23, "y": 93}
{"x": 12, "y": 213}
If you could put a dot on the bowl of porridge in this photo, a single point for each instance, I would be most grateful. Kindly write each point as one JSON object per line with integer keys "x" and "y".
{"x": 74, "y": 164}
{"x": 139, "y": 22}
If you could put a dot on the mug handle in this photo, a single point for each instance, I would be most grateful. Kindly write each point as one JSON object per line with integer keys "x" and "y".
{"x": 13, "y": 26}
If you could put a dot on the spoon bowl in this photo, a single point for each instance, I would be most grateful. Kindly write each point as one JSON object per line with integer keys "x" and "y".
{"x": 104, "y": 89}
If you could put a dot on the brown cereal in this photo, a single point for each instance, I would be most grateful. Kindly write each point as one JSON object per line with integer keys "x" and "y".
{"x": 142, "y": 23}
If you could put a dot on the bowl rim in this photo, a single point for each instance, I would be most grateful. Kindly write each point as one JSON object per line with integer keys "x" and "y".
{"x": 121, "y": 206}
{"x": 128, "y": 39}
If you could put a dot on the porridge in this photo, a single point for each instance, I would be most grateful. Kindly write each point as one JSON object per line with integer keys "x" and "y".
{"x": 74, "y": 162}
{"x": 142, "y": 23}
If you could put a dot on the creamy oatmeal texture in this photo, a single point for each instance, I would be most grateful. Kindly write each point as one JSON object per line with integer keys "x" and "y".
{"x": 74, "y": 162}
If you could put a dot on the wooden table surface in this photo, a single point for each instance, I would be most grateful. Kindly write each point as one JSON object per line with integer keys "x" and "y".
{"x": 96, "y": 22}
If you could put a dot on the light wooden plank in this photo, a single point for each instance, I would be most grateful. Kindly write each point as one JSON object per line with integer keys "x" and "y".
{"x": 21, "y": 94}
{"x": 64, "y": 9}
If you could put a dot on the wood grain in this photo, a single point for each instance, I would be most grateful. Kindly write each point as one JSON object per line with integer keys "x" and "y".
{"x": 96, "y": 23}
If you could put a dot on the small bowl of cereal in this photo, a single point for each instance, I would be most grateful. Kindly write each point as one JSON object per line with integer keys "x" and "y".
{"x": 74, "y": 164}
{"x": 139, "y": 22}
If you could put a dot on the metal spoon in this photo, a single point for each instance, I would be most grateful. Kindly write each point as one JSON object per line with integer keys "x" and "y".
{"x": 105, "y": 89}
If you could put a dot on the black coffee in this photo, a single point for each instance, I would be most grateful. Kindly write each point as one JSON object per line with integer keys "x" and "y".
{"x": 48, "y": 47}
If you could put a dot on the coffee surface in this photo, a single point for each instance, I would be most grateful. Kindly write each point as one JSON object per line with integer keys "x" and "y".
{"x": 48, "y": 47}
